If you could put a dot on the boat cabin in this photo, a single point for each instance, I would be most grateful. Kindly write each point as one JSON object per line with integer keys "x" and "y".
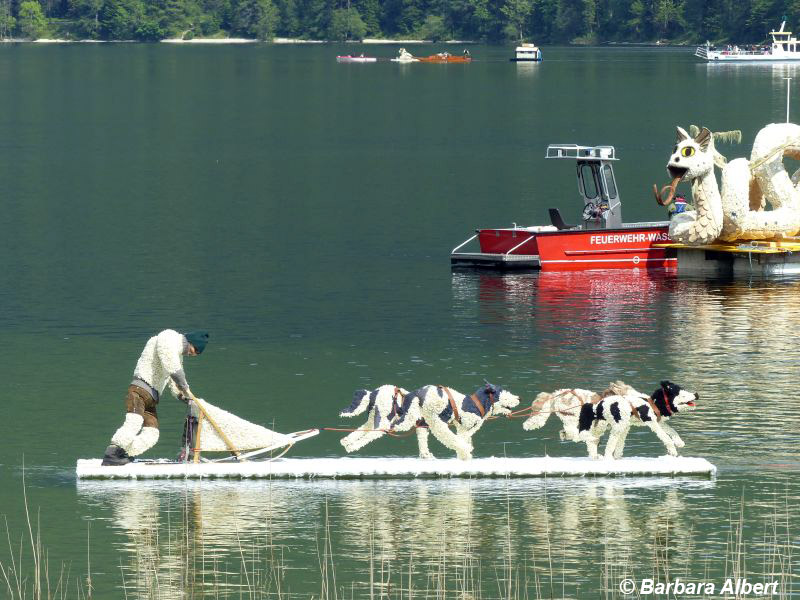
{"x": 527, "y": 53}
{"x": 602, "y": 207}
{"x": 783, "y": 42}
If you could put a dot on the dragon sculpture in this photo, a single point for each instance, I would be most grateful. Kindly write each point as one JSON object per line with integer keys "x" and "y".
{"x": 739, "y": 211}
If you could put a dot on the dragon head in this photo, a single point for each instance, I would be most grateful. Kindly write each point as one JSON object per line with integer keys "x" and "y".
{"x": 691, "y": 158}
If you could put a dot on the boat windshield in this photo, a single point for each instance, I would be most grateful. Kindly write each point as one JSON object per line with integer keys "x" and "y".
{"x": 589, "y": 184}
{"x": 608, "y": 177}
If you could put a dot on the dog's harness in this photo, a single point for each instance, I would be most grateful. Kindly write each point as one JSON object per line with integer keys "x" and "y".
{"x": 595, "y": 398}
{"x": 397, "y": 403}
{"x": 654, "y": 407}
{"x": 452, "y": 403}
{"x": 479, "y": 405}
{"x": 666, "y": 402}
{"x": 482, "y": 410}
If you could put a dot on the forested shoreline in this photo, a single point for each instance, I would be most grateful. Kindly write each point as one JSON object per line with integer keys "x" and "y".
{"x": 492, "y": 21}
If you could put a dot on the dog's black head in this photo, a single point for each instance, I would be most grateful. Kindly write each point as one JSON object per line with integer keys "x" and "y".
{"x": 671, "y": 398}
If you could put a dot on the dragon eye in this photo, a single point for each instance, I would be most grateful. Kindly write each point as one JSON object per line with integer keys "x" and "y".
{"x": 687, "y": 151}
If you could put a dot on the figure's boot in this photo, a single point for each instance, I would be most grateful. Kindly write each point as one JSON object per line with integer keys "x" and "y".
{"x": 115, "y": 456}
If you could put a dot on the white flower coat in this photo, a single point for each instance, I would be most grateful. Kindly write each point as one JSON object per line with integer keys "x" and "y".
{"x": 161, "y": 362}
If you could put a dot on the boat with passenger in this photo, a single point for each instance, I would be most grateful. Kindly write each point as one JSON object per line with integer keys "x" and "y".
{"x": 600, "y": 240}
{"x": 527, "y": 53}
{"x": 785, "y": 47}
{"x": 446, "y": 57}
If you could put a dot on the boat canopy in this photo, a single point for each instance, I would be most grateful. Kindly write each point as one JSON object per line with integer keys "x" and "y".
{"x": 596, "y": 184}
{"x": 783, "y": 41}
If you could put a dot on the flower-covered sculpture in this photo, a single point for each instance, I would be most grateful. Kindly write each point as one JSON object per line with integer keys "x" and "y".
{"x": 758, "y": 201}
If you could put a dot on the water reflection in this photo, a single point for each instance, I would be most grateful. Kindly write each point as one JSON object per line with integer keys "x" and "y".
{"x": 227, "y": 538}
{"x": 733, "y": 341}
{"x": 736, "y": 340}
{"x": 583, "y": 322}
{"x": 776, "y": 70}
{"x": 527, "y": 70}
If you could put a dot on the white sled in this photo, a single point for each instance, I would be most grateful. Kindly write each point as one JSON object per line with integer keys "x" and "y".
{"x": 217, "y": 431}
{"x": 221, "y": 431}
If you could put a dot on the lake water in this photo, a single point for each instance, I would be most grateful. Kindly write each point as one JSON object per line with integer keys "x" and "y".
{"x": 303, "y": 211}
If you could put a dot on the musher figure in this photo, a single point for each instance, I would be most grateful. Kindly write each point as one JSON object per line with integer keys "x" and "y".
{"x": 160, "y": 364}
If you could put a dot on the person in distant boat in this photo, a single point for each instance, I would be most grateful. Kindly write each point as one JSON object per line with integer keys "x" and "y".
{"x": 159, "y": 366}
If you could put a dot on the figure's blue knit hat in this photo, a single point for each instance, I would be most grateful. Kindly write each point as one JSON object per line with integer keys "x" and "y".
{"x": 198, "y": 339}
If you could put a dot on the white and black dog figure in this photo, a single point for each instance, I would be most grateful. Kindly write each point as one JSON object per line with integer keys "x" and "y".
{"x": 621, "y": 412}
{"x": 438, "y": 407}
{"x": 566, "y": 404}
{"x": 382, "y": 406}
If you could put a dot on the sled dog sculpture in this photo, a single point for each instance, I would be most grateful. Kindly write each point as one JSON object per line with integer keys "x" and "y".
{"x": 620, "y": 413}
{"x": 566, "y": 404}
{"x": 381, "y": 406}
{"x": 438, "y": 407}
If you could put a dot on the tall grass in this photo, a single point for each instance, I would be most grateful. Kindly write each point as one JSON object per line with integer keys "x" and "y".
{"x": 26, "y": 574}
{"x": 176, "y": 564}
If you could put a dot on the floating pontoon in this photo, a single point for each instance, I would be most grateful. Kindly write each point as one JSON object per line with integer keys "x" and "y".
{"x": 401, "y": 468}
{"x": 748, "y": 257}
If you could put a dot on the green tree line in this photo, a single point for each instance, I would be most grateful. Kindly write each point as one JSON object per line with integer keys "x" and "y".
{"x": 542, "y": 21}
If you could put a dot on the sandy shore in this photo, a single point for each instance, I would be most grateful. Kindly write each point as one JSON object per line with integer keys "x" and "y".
{"x": 278, "y": 40}
{"x": 210, "y": 41}
{"x": 384, "y": 41}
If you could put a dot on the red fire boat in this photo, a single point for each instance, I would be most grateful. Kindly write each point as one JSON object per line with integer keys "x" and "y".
{"x": 600, "y": 241}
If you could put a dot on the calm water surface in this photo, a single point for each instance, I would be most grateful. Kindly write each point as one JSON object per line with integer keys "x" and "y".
{"x": 303, "y": 212}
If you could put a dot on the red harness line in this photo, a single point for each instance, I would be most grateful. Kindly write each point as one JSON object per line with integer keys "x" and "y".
{"x": 666, "y": 402}
{"x": 391, "y": 432}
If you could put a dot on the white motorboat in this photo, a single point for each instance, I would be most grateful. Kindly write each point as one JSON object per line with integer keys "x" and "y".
{"x": 356, "y": 59}
{"x": 527, "y": 53}
{"x": 784, "y": 48}
{"x": 404, "y": 56}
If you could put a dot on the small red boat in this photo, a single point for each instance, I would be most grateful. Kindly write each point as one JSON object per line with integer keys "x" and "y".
{"x": 600, "y": 241}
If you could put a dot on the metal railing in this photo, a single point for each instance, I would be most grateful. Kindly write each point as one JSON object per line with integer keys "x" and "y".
{"x": 575, "y": 151}
{"x": 455, "y": 250}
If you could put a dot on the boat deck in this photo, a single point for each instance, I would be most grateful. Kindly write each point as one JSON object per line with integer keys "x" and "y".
{"x": 483, "y": 259}
{"x": 403, "y": 468}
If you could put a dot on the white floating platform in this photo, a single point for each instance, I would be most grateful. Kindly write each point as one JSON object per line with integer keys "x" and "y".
{"x": 409, "y": 468}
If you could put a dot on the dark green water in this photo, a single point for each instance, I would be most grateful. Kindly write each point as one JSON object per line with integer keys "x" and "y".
{"x": 303, "y": 211}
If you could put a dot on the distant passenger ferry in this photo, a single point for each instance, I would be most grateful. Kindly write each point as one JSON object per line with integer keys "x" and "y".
{"x": 784, "y": 48}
